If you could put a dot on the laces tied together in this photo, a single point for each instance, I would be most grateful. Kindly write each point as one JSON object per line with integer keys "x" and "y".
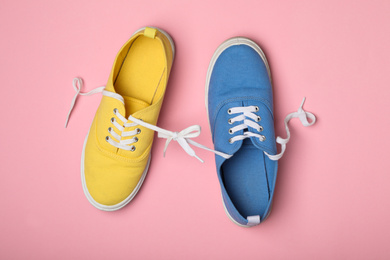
{"x": 182, "y": 138}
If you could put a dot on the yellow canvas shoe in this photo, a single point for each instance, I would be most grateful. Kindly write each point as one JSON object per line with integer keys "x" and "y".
{"x": 116, "y": 153}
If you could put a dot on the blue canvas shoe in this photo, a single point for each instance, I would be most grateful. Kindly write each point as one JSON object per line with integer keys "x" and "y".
{"x": 239, "y": 104}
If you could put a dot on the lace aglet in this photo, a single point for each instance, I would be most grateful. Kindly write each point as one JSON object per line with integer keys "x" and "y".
{"x": 303, "y": 102}
{"x": 197, "y": 157}
{"x": 67, "y": 120}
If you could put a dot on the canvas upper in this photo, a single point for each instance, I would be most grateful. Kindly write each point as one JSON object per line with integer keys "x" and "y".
{"x": 111, "y": 176}
{"x": 239, "y": 77}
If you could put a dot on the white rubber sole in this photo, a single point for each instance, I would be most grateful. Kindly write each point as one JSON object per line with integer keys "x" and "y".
{"x": 241, "y": 225}
{"x": 226, "y": 44}
{"x": 143, "y": 176}
{"x": 230, "y": 217}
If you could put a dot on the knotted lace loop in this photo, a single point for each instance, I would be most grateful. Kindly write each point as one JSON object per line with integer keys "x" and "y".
{"x": 77, "y": 85}
{"x": 303, "y": 116}
{"x": 247, "y": 113}
{"x": 183, "y": 137}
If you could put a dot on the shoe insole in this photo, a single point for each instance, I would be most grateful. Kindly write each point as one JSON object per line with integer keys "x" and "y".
{"x": 245, "y": 180}
{"x": 142, "y": 72}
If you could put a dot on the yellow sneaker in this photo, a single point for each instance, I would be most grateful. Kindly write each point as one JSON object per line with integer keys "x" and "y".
{"x": 116, "y": 153}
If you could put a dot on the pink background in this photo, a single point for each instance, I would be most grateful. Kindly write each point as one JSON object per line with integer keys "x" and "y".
{"x": 332, "y": 197}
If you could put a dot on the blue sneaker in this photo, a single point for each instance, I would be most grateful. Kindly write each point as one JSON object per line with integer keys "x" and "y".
{"x": 239, "y": 104}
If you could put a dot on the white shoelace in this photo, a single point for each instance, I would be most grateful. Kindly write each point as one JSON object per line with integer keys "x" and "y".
{"x": 249, "y": 112}
{"x": 183, "y": 137}
{"x": 77, "y": 85}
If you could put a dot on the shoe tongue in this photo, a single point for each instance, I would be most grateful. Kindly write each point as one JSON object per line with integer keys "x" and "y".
{"x": 248, "y": 141}
{"x": 133, "y": 105}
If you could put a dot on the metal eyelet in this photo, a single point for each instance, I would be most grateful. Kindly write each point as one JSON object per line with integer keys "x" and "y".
{"x": 132, "y": 148}
{"x": 261, "y": 129}
{"x": 230, "y": 122}
{"x": 230, "y": 141}
{"x": 257, "y": 108}
{"x": 112, "y": 119}
{"x": 230, "y": 131}
{"x": 262, "y": 138}
{"x": 135, "y": 139}
{"x": 110, "y": 129}
{"x": 115, "y": 110}
{"x": 107, "y": 138}
{"x": 138, "y": 131}
{"x": 258, "y": 119}
{"x": 229, "y": 111}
